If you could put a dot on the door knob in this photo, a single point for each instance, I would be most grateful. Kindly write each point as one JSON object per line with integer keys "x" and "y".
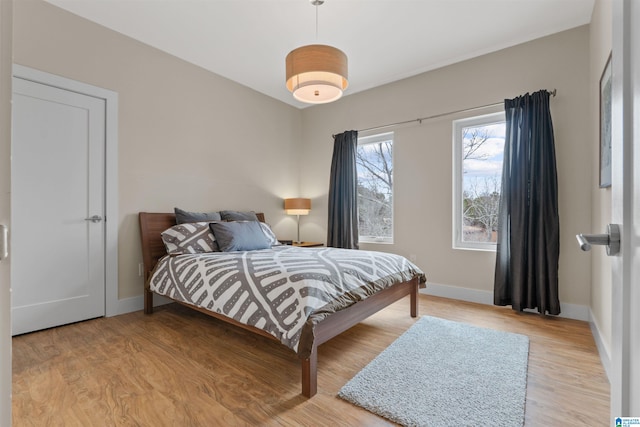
{"x": 611, "y": 240}
{"x": 94, "y": 219}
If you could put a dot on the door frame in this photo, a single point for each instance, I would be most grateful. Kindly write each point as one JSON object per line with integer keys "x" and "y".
{"x": 625, "y": 375}
{"x": 6, "y": 58}
{"x": 111, "y": 169}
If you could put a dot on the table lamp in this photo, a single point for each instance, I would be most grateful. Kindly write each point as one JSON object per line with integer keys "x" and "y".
{"x": 297, "y": 206}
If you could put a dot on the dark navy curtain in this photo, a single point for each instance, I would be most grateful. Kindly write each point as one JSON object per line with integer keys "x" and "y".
{"x": 342, "y": 230}
{"x": 526, "y": 274}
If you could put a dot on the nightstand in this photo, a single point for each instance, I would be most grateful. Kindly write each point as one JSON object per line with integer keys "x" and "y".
{"x": 307, "y": 244}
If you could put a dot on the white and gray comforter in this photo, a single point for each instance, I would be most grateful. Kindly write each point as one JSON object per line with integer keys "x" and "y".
{"x": 284, "y": 290}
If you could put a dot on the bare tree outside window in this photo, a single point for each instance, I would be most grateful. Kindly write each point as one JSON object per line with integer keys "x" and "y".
{"x": 374, "y": 160}
{"x": 482, "y": 152}
{"x": 480, "y": 209}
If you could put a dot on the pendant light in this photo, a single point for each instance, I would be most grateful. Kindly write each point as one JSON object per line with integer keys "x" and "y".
{"x": 316, "y": 74}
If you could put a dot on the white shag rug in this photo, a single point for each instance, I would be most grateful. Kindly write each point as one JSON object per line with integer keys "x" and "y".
{"x": 444, "y": 373}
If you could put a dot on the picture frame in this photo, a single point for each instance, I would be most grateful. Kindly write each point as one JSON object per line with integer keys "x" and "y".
{"x": 605, "y": 125}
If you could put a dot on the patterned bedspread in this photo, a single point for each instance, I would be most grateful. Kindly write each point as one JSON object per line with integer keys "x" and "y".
{"x": 284, "y": 290}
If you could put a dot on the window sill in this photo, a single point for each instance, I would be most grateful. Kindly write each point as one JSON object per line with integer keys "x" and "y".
{"x": 376, "y": 242}
{"x": 468, "y": 248}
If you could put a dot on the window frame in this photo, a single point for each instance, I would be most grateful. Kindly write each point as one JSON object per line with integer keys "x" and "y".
{"x": 373, "y": 139}
{"x": 458, "y": 194}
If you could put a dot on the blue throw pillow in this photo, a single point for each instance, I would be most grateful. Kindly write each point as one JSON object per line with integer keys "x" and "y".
{"x": 239, "y": 236}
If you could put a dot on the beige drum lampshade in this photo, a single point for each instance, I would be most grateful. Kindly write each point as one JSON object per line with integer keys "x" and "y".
{"x": 297, "y": 206}
{"x": 316, "y": 74}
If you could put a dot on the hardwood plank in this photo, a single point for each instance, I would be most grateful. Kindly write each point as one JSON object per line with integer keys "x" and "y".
{"x": 181, "y": 367}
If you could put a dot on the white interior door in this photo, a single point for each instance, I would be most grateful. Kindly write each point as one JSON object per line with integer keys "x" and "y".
{"x": 6, "y": 13}
{"x": 625, "y": 341}
{"x": 58, "y": 184}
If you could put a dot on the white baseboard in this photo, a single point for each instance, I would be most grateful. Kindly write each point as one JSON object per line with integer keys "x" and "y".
{"x": 605, "y": 357}
{"x": 459, "y": 293}
{"x": 128, "y": 305}
{"x": 569, "y": 311}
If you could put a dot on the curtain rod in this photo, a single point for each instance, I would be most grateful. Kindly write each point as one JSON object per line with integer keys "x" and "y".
{"x": 421, "y": 119}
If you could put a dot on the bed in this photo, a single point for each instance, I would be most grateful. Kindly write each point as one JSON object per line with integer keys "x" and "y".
{"x": 325, "y": 319}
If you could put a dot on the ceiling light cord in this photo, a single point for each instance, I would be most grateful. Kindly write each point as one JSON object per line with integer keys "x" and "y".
{"x": 316, "y": 3}
{"x": 316, "y": 22}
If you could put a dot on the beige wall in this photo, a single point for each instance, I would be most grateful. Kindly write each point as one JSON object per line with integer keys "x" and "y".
{"x": 187, "y": 137}
{"x": 423, "y": 155}
{"x": 600, "y": 48}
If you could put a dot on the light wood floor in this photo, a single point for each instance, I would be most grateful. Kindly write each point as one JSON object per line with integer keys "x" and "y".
{"x": 178, "y": 367}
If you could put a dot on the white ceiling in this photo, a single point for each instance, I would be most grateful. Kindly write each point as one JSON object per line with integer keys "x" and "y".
{"x": 385, "y": 40}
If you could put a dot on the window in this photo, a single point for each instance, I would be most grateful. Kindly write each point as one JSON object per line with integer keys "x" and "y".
{"x": 478, "y": 152}
{"x": 374, "y": 161}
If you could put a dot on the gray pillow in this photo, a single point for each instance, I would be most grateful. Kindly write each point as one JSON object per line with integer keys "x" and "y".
{"x": 183, "y": 216}
{"x": 189, "y": 238}
{"x": 238, "y": 216}
{"x": 239, "y": 236}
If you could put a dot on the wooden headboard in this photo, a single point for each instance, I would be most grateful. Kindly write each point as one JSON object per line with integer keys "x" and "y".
{"x": 151, "y": 226}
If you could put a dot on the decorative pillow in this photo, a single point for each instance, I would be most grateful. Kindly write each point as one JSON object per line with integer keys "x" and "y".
{"x": 238, "y": 216}
{"x": 185, "y": 216}
{"x": 189, "y": 238}
{"x": 273, "y": 240}
{"x": 239, "y": 236}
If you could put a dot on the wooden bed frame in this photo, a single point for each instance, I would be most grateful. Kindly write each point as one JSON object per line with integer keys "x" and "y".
{"x": 152, "y": 224}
